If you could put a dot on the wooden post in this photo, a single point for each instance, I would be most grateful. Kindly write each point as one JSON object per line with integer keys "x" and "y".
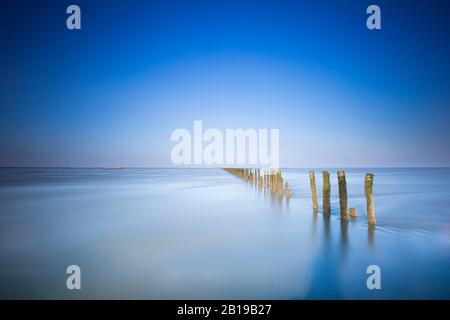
{"x": 275, "y": 181}
{"x": 270, "y": 180}
{"x": 288, "y": 192}
{"x": 312, "y": 180}
{"x": 368, "y": 190}
{"x": 353, "y": 213}
{"x": 342, "y": 195}
{"x": 265, "y": 179}
{"x": 326, "y": 192}
{"x": 280, "y": 186}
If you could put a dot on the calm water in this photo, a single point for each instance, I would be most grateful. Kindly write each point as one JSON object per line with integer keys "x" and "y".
{"x": 203, "y": 233}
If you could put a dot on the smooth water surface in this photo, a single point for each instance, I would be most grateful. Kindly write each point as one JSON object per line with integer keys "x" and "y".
{"x": 203, "y": 233}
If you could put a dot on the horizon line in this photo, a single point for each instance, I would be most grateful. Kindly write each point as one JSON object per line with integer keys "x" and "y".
{"x": 194, "y": 167}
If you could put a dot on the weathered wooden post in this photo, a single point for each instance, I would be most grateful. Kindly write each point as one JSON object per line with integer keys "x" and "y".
{"x": 342, "y": 195}
{"x": 312, "y": 181}
{"x": 280, "y": 186}
{"x": 353, "y": 213}
{"x": 260, "y": 180}
{"x": 275, "y": 181}
{"x": 326, "y": 192}
{"x": 368, "y": 190}
{"x": 288, "y": 192}
{"x": 270, "y": 180}
{"x": 264, "y": 178}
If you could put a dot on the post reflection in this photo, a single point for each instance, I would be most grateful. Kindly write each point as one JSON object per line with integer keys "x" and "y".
{"x": 314, "y": 228}
{"x": 344, "y": 236}
{"x": 326, "y": 229}
{"x": 371, "y": 235}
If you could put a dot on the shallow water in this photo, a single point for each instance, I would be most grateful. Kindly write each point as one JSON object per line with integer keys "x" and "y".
{"x": 203, "y": 233}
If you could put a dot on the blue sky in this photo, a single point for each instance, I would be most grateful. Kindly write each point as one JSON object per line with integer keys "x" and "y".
{"x": 111, "y": 93}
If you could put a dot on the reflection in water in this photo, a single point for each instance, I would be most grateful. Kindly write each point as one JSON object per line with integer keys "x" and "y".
{"x": 314, "y": 228}
{"x": 267, "y": 183}
{"x": 344, "y": 237}
{"x": 177, "y": 234}
{"x": 371, "y": 235}
{"x": 280, "y": 201}
{"x": 326, "y": 230}
{"x": 327, "y": 266}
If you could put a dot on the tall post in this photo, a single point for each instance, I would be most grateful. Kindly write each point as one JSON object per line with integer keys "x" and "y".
{"x": 326, "y": 192}
{"x": 342, "y": 195}
{"x": 312, "y": 180}
{"x": 368, "y": 190}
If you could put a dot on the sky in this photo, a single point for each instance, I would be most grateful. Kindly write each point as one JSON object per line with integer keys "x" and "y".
{"x": 111, "y": 94}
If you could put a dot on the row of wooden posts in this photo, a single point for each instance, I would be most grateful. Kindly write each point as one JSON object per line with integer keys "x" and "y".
{"x": 343, "y": 198}
{"x": 272, "y": 180}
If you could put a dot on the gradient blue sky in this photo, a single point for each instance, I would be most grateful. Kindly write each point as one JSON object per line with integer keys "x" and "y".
{"x": 112, "y": 93}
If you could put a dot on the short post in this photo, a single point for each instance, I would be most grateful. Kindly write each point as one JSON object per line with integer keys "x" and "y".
{"x": 280, "y": 186}
{"x": 342, "y": 195}
{"x": 326, "y": 192}
{"x": 353, "y": 213}
{"x": 275, "y": 181}
{"x": 265, "y": 178}
{"x": 368, "y": 190}
{"x": 288, "y": 192}
{"x": 271, "y": 180}
{"x": 312, "y": 180}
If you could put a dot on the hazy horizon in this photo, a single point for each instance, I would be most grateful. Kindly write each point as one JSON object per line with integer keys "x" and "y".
{"x": 223, "y": 167}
